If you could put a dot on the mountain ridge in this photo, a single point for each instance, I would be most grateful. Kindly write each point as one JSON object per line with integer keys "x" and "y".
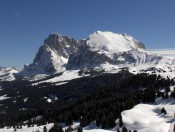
{"x": 102, "y": 51}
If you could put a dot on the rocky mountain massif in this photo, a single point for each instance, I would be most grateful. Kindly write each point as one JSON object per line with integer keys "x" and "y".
{"x": 52, "y": 57}
{"x": 101, "y": 51}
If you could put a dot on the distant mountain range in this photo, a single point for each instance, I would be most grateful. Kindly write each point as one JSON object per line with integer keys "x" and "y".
{"x": 69, "y": 58}
{"x": 7, "y": 74}
{"x": 163, "y": 52}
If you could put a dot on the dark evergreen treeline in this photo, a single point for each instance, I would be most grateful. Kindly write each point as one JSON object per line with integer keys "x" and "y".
{"x": 101, "y": 99}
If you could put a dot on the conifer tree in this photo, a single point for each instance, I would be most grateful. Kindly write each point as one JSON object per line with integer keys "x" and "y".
{"x": 120, "y": 121}
{"x": 69, "y": 129}
{"x": 124, "y": 129}
{"x": 80, "y": 129}
{"x": 45, "y": 129}
{"x": 163, "y": 111}
{"x": 56, "y": 128}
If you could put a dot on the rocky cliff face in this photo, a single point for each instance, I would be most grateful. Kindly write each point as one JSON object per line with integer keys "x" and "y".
{"x": 52, "y": 57}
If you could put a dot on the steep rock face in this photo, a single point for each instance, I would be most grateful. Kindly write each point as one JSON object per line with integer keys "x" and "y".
{"x": 52, "y": 57}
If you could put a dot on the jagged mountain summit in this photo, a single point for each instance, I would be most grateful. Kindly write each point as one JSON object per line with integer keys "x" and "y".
{"x": 52, "y": 57}
{"x": 101, "y": 51}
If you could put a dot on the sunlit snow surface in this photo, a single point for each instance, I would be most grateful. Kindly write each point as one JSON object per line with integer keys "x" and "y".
{"x": 66, "y": 76}
{"x": 111, "y": 42}
{"x": 148, "y": 117}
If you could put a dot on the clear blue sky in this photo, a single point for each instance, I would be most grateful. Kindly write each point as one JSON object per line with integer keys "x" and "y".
{"x": 24, "y": 24}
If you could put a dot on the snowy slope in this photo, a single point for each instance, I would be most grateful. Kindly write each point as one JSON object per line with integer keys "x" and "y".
{"x": 148, "y": 118}
{"x": 63, "y": 78}
{"x": 7, "y": 74}
{"x": 112, "y": 42}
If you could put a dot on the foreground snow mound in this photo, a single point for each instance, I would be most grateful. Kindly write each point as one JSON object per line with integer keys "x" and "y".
{"x": 148, "y": 118}
{"x": 7, "y": 74}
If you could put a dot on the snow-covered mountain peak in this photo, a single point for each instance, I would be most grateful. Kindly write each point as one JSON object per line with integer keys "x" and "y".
{"x": 113, "y": 42}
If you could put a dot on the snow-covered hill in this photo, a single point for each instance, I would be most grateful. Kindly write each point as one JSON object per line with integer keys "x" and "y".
{"x": 148, "y": 118}
{"x": 7, "y": 74}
